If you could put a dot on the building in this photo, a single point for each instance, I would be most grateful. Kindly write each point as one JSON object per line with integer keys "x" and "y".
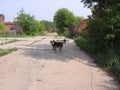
{"x": 10, "y": 27}
{"x": 79, "y": 28}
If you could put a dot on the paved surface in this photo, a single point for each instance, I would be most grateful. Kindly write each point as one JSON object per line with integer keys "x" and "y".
{"x": 36, "y": 67}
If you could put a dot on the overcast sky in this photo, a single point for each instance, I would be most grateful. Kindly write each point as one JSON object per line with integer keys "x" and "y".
{"x": 41, "y": 9}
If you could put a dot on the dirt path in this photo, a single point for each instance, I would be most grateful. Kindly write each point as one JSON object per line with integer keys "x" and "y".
{"x": 36, "y": 67}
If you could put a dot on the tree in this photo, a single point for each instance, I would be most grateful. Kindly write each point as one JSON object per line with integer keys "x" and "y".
{"x": 104, "y": 22}
{"x": 2, "y": 26}
{"x": 64, "y": 19}
{"x": 28, "y": 23}
{"x": 48, "y": 24}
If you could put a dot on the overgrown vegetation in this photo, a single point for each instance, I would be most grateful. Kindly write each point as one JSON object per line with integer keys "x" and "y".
{"x": 103, "y": 42}
{"x": 28, "y": 23}
{"x": 6, "y": 51}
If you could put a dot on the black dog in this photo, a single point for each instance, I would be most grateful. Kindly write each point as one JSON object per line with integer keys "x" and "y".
{"x": 57, "y": 44}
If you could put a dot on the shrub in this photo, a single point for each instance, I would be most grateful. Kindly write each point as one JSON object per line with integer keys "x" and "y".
{"x": 84, "y": 44}
{"x": 2, "y": 28}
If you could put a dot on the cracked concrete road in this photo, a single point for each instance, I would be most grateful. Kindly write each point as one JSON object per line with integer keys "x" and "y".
{"x": 36, "y": 67}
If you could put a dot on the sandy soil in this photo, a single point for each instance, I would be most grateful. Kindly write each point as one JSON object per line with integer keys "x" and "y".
{"x": 36, "y": 67}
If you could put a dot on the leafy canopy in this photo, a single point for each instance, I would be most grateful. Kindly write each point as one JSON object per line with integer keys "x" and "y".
{"x": 104, "y": 22}
{"x": 63, "y": 19}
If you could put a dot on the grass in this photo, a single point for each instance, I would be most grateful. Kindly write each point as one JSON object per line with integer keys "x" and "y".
{"x": 6, "y": 51}
{"x": 10, "y": 41}
{"x": 8, "y": 35}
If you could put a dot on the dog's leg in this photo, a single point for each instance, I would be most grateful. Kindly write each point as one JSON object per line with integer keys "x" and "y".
{"x": 60, "y": 48}
{"x": 55, "y": 49}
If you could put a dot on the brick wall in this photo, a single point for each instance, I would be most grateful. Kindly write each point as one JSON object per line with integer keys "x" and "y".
{"x": 8, "y": 25}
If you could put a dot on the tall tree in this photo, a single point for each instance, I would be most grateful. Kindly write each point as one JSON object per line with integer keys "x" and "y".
{"x": 104, "y": 22}
{"x": 64, "y": 19}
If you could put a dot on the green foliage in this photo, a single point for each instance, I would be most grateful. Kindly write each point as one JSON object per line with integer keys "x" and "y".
{"x": 48, "y": 24}
{"x": 37, "y": 28}
{"x": 103, "y": 24}
{"x": 2, "y": 27}
{"x": 66, "y": 32}
{"x": 104, "y": 29}
{"x": 4, "y": 34}
{"x": 84, "y": 44}
{"x": 28, "y": 23}
{"x": 63, "y": 19}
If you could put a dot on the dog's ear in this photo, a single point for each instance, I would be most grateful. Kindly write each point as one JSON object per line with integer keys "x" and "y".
{"x": 51, "y": 42}
{"x": 64, "y": 40}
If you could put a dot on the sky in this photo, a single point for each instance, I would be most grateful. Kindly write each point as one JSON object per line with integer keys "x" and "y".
{"x": 41, "y": 9}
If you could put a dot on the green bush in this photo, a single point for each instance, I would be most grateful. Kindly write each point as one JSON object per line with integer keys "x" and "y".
{"x": 28, "y": 23}
{"x": 6, "y": 51}
{"x": 84, "y": 44}
{"x": 2, "y": 28}
{"x": 113, "y": 64}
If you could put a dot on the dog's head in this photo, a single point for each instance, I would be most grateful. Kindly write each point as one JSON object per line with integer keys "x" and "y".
{"x": 52, "y": 42}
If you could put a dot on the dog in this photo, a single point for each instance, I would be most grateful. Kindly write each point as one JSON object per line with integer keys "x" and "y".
{"x": 58, "y": 44}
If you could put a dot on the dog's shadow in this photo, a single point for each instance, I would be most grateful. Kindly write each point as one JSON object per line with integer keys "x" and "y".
{"x": 44, "y": 52}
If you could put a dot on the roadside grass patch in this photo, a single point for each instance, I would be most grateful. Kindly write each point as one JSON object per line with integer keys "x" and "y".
{"x": 10, "y": 41}
{"x": 84, "y": 44}
{"x": 6, "y": 51}
{"x": 8, "y": 35}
